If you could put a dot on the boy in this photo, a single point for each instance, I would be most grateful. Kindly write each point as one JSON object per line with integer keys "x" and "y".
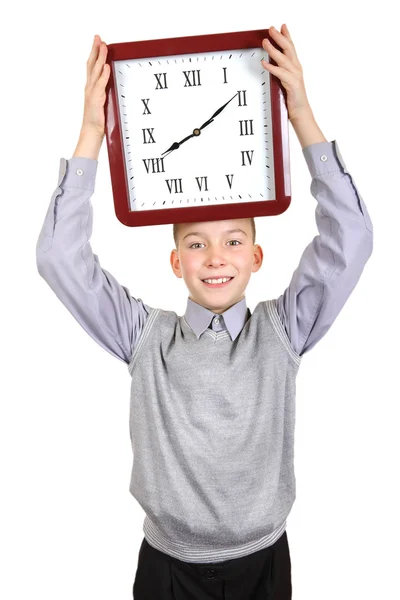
{"x": 213, "y": 392}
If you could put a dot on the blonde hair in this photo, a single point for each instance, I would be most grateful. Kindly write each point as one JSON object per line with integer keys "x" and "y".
{"x": 252, "y": 225}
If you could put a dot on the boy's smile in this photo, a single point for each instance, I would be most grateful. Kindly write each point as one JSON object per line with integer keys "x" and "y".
{"x": 213, "y": 250}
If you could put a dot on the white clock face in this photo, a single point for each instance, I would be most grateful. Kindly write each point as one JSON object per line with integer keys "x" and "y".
{"x": 163, "y": 100}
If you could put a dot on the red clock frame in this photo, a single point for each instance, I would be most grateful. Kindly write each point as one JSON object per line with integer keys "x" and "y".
{"x": 185, "y": 45}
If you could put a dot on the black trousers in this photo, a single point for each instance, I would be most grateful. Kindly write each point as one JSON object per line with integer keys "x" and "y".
{"x": 262, "y": 575}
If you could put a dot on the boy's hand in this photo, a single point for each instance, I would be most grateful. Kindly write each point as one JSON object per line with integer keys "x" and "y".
{"x": 98, "y": 72}
{"x": 289, "y": 71}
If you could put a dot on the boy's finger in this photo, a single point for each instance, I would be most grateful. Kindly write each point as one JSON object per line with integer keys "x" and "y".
{"x": 99, "y": 65}
{"x": 96, "y": 41}
{"x": 285, "y": 30}
{"x": 93, "y": 54}
{"x": 285, "y": 42}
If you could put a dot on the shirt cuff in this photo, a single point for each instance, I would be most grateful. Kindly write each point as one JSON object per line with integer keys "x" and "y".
{"x": 323, "y": 158}
{"x": 79, "y": 172}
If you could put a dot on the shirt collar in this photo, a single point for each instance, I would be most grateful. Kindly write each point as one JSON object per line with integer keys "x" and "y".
{"x": 199, "y": 318}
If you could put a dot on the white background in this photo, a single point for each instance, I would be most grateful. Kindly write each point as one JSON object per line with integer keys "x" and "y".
{"x": 69, "y": 526}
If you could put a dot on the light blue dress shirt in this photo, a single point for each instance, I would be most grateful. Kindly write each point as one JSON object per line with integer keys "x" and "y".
{"x": 328, "y": 270}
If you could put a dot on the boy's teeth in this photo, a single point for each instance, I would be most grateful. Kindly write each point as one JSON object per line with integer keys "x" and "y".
{"x": 223, "y": 280}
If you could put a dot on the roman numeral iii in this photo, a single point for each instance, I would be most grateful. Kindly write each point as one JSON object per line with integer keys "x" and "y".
{"x": 246, "y": 127}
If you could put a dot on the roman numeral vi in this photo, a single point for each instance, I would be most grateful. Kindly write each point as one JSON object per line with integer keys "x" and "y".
{"x": 200, "y": 184}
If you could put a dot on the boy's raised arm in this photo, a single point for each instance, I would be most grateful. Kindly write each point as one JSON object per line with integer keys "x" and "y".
{"x": 332, "y": 263}
{"x": 64, "y": 257}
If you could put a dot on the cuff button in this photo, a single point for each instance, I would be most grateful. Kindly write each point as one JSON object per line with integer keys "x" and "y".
{"x": 324, "y": 157}
{"x": 79, "y": 172}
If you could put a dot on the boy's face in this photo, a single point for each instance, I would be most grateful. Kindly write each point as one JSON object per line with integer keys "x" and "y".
{"x": 213, "y": 253}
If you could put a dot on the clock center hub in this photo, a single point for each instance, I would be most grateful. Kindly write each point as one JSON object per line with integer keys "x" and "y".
{"x": 196, "y": 131}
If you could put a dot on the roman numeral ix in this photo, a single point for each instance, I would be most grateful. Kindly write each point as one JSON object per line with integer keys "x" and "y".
{"x": 148, "y": 136}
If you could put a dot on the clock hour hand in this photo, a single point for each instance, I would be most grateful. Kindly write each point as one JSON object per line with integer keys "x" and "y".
{"x": 176, "y": 145}
{"x": 217, "y": 112}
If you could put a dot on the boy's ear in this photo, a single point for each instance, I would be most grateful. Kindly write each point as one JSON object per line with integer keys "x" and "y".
{"x": 174, "y": 260}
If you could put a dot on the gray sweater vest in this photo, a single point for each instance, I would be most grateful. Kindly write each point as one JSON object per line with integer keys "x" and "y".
{"x": 212, "y": 428}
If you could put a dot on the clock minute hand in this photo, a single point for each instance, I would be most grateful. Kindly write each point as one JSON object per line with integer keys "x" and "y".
{"x": 217, "y": 112}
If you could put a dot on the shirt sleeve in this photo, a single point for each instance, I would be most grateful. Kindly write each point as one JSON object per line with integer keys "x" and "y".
{"x": 103, "y": 307}
{"x": 332, "y": 263}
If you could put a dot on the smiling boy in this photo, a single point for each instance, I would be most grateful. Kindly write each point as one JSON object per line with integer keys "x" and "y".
{"x": 235, "y": 237}
{"x": 212, "y": 412}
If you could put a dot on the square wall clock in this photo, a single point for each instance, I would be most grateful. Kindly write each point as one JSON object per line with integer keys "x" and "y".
{"x": 196, "y": 130}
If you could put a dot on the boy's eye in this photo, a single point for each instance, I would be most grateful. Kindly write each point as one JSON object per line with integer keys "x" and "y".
{"x": 197, "y": 243}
